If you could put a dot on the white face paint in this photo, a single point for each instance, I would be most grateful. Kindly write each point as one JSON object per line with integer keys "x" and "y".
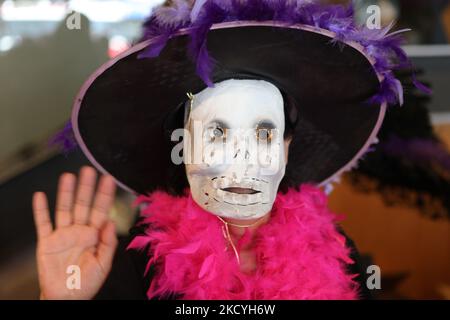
{"x": 238, "y": 127}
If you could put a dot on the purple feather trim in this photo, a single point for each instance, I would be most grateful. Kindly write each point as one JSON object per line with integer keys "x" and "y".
{"x": 424, "y": 152}
{"x": 64, "y": 139}
{"x": 382, "y": 46}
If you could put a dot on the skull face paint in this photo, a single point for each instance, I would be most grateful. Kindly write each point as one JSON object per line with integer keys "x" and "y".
{"x": 239, "y": 125}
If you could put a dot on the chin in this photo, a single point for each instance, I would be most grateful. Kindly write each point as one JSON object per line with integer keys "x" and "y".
{"x": 225, "y": 210}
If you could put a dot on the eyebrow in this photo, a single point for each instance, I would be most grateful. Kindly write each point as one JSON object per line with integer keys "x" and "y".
{"x": 266, "y": 124}
{"x": 219, "y": 123}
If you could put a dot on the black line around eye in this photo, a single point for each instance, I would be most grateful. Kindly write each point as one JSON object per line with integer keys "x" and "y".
{"x": 265, "y": 124}
{"x": 218, "y": 123}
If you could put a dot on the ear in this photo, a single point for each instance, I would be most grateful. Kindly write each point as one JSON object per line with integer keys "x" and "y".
{"x": 287, "y": 143}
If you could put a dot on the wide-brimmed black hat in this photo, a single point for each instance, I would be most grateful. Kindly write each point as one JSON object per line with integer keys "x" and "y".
{"x": 338, "y": 76}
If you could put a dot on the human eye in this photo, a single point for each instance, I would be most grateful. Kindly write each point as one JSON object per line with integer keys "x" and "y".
{"x": 216, "y": 132}
{"x": 265, "y": 132}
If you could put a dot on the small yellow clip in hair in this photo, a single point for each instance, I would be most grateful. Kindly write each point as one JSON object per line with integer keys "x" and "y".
{"x": 191, "y": 98}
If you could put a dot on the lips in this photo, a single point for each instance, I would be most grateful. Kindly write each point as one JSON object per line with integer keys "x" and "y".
{"x": 239, "y": 190}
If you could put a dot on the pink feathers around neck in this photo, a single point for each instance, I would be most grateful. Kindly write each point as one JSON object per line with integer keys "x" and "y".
{"x": 300, "y": 254}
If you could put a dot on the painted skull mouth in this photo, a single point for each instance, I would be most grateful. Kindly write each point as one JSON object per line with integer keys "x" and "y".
{"x": 240, "y": 190}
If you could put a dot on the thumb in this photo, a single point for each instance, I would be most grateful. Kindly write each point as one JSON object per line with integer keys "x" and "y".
{"x": 107, "y": 246}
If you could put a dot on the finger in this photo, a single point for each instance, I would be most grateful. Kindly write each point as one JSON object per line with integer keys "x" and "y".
{"x": 64, "y": 200}
{"x": 107, "y": 246}
{"x": 85, "y": 193}
{"x": 41, "y": 215}
{"x": 103, "y": 201}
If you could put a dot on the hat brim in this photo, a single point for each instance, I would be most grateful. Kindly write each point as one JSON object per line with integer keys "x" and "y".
{"x": 123, "y": 115}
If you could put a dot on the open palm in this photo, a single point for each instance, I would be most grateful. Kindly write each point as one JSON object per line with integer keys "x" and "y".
{"x": 83, "y": 241}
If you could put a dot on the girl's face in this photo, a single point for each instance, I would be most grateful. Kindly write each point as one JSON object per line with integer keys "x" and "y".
{"x": 237, "y": 155}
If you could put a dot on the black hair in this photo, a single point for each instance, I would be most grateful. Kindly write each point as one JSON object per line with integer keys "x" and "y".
{"x": 290, "y": 115}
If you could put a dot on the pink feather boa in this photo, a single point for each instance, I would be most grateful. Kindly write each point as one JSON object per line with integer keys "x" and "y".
{"x": 299, "y": 252}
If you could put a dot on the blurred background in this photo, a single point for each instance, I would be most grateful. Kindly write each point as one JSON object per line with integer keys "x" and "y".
{"x": 397, "y": 204}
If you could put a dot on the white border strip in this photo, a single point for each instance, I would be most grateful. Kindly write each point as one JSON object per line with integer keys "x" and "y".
{"x": 427, "y": 51}
{"x": 438, "y": 118}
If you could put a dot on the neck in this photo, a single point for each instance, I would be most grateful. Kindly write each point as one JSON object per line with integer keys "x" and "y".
{"x": 237, "y": 227}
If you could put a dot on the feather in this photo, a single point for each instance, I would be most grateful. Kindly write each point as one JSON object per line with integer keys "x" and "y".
{"x": 64, "y": 139}
{"x": 299, "y": 252}
{"x": 420, "y": 151}
{"x": 382, "y": 46}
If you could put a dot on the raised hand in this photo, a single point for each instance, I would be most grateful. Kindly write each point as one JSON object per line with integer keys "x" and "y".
{"x": 83, "y": 237}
